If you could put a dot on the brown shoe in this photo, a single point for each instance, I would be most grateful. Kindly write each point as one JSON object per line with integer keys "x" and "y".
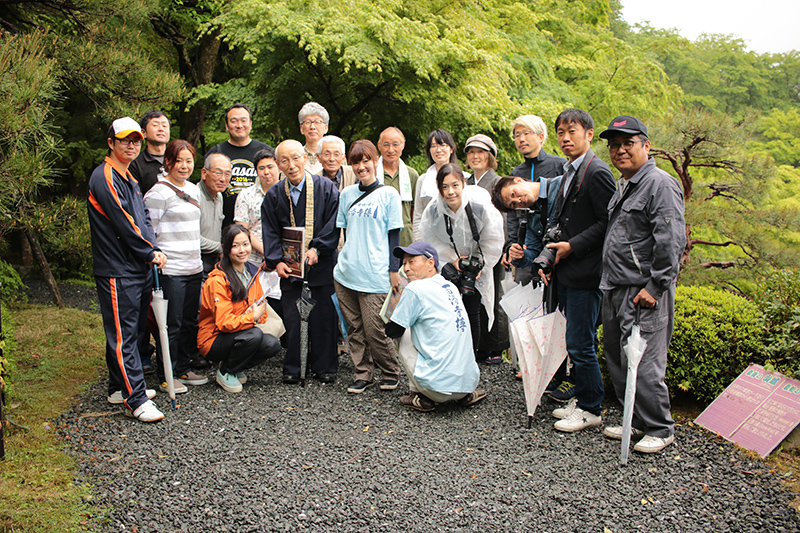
{"x": 191, "y": 378}
{"x": 418, "y": 402}
{"x": 472, "y": 398}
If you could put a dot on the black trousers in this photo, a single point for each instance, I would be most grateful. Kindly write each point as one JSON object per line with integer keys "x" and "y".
{"x": 240, "y": 350}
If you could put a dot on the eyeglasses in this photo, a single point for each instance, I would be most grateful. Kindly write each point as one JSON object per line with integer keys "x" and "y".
{"x": 523, "y": 133}
{"x": 613, "y": 147}
{"x": 387, "y": 144}
{"x": 313, "y": 122}
{"x": 218, "y": 172}
{"x": 128, "y": 142}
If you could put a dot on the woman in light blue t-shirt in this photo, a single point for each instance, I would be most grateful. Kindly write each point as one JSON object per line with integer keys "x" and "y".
{"x": 371, "y": 217}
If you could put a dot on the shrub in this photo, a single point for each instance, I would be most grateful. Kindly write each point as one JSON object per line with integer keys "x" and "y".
{"x": 10, "y": 283}
{"x": 63, "y": 229}
{"x": 7, "y": 345}
{"x": 778, "y": 296}
{"x": 717, "y": 334}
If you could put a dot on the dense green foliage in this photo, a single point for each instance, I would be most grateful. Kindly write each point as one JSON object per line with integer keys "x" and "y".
{"x": 465, "y": 66}
{"x": 778, "y": 295}
{"x": 64, "y": 229}
{"x": 717, "y": 334}
{"x": 28, "y": 145}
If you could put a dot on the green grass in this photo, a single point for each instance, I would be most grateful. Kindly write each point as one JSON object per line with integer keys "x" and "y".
{"x": 55, "y": 353}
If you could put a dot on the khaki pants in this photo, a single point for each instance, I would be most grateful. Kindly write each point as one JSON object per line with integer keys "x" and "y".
{"x": 369, "y": 345}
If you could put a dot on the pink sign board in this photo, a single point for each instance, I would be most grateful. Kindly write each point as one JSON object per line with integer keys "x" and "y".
{"x": 757, "y": 411}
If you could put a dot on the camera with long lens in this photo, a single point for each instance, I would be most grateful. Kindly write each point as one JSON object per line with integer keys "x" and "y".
{"x": 546, "y": 260}
{"x": 465, "y": 278}
{"x": 470, "y": 268}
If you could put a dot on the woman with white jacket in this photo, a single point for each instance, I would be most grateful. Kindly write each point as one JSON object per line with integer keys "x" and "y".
{"x": 446, "y": 226}
{"x": 440, "y": 149}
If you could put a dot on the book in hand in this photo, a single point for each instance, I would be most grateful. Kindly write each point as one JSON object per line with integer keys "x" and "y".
{"x": 293, "y": 253}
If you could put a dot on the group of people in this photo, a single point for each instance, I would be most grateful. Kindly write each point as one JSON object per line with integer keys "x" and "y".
{"x": 433, "y": 248}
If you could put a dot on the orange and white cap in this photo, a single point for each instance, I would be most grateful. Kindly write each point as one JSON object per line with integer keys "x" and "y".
{"x": 125, "y": 126}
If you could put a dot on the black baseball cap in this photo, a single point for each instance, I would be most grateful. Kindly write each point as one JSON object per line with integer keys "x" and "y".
{"x": 418, "y": 248}
{"x": 625, "y": 124}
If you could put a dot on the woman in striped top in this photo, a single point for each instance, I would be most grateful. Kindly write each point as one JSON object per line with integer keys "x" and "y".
{"x": 174, "y": 206}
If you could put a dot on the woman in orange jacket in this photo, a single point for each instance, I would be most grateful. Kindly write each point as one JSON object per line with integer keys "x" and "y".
{"x": 229, "y": 313}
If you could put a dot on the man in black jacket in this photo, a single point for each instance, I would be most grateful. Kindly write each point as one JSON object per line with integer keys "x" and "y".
{"x": 529, "y": 133}
{"x": 580, "y": 217}
{"x": 124, "y": 250}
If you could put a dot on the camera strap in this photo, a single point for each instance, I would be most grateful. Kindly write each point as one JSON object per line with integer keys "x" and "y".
{"x": 378, "y": 186}
{"x": 541, "y": 203}
{"x": 473, "y": 226}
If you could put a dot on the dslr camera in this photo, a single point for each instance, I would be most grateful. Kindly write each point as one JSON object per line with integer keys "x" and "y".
{"x": 465, "y": 278}
{"x": 546, "y": 260}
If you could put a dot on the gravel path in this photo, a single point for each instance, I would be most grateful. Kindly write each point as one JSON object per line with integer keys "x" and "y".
{"x": 285, "y": 458}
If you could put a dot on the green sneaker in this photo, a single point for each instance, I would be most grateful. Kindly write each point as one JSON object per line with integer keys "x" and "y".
{"x": 229, "y": 382}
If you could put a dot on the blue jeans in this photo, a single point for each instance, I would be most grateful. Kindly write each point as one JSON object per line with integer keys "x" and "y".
{"x": 582, "y": 307}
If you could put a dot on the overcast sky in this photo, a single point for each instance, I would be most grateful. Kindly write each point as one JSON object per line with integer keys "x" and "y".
{"x": 765, "y": 25}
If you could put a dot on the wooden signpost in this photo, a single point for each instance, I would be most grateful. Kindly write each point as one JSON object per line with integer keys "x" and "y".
{"x": 757, "y": 411}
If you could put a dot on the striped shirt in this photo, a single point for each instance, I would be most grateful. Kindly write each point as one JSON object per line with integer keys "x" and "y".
{"x": 176, "y": 224}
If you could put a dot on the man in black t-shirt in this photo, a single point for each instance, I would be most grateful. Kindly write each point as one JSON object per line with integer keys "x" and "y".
{"x": 150, "y": 164}
{"x": 240, "y": 149}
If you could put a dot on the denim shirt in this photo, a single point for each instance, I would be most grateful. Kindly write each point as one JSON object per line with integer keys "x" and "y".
{"x": 533, "y": 237}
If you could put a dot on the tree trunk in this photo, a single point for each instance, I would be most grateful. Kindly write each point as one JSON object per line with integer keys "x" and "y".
{"x": 201, "y": 73}
{"x": 38, "y": 254}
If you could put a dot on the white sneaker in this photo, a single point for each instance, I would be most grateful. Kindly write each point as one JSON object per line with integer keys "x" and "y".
{"x": 564, "y": 412}
{"x": 578, "y": 420}
{"x": 650, "y": 444}
{"x": 180, "y": 388}
{"x": 615, "y": 432}
{"x": 116, "y": 398}
{"x": 147, "y": 412}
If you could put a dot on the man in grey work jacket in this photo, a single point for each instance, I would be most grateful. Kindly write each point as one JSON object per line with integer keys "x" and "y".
{"x": 644, "y": 242}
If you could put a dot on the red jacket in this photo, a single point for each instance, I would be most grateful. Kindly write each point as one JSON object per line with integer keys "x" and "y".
{"x": 218, "y": 314}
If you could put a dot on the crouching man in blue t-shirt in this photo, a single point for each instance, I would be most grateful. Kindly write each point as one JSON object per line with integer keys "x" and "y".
{"x": 436, "y": 353}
